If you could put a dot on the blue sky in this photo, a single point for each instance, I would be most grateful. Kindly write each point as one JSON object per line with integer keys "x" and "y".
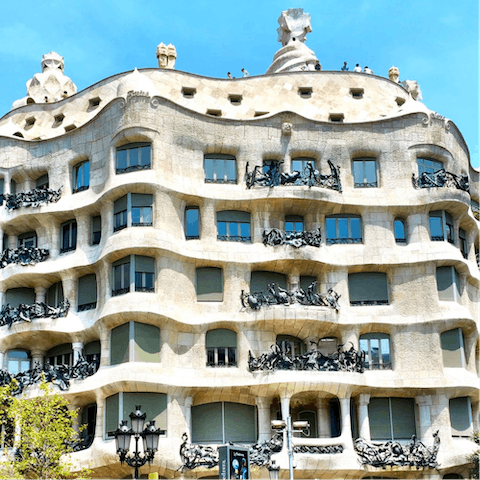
{"x": 432, "y": 41}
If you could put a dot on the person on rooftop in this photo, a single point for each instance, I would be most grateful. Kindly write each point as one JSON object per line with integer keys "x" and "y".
{"x": 357, "y": 68}
{"x": 344, "y": 68}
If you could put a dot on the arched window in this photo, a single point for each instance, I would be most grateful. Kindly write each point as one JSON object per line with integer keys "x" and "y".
{"x": 299, "y": 164}
{"x": 81, "y": 176}
{"x": 42, "y": 182}
{"x": 290, "y": 346}
{"x": 134, "y": 342}
{"x": 461, "y": 416}
{"x": 400, "y": 232}
{"x": 224, "y": 422}
{"x": 133, "y": 210}
{"x": 18, "y": 361}
{"x": 88, "y": 419}
{"x": 134, "y": 156}
{"x": 377, "y": 351}
{"x": 221, "y": 345}
{"x": 428, "y": 165}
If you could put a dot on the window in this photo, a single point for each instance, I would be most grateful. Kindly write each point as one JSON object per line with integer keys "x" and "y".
{"x": 18, "y": 361}
{"x": 58, "y": 120}
{"x": 369, "y": 288}
{"x": 305, "y": 92}
{"x": 60, "y": 355}
{"x": 399, "y": 229}
{"x": 55, "y": 294}
{"x": 134, "y": 156}
{"x": 306, "y": 281}
{"x": 220, "y": 168}
{"x": 27, "y": 240}
{"x": 453, "y": 351}
{"x": 92, "y": 351}
{"x": 260, "y": 280}
{"x": 461, "y": 416}
{"x": 87, "y": 292}
{"x": 42, "y": 182}
{"x": 448, "y": 284}
{"x": 81, "y": 176}
{"x": 235, "y": 99}
{"x": 357, "y": 92}
{"x": 13, "y": 187}
{"x": 192, "y": 223}
{"x": 365, "y": 172}
{"x": 221, "y": 345}
{"x": 336, "y": 117}
{"x": 94, "y": 103}
{"x": 299, "y": 164}
{"x": 223, "y": 422}
{"x": 134, "y": 342}
{"x": 377, "y": 351}
{"x": 88, "y": 420}
{"x": 133, "y": 210}
{"x": 138, "y": 268}
{"x": 391, "y": 418}
{"x": 189, "y": 92}
{"x": 209, "y": 284}
{"x": 69, "y": 236}
{"x": 293, "y": 223}
{"x": 343, "y": 229}
{"x": 462, "y": 235}
{"x": 96, "y": 229}
{"x": 15, "y": 296}
{"x": 119, "y": 406}
{"x": 441, "y": 226}
{"x": 427, "y": 165}
{"x": 233, "y": 226}
{"x": 214, "y": 112}
{"x": 290, "y": 346}
{"x": 328, "y": 346}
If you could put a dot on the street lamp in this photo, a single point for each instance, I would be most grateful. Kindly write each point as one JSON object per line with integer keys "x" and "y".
{"x": 150, "y": 436}
{"x": 300, "y": 426}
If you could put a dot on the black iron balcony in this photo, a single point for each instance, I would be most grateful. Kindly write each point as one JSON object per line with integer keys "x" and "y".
{"x": 309, "y": 177}
{"x": 341, "y": 361}
{"x": 26, "y": 313}
{"x": 275, "y": 236}
{"x": 87, "y": 306}
{"x": 441, "y": 178}
{"x": 276, "y": 295}
{"x": 23, "y": 256}
{"x": 33, "y": 198}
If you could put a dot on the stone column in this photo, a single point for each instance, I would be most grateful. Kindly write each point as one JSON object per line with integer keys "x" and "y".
{"x": 99, "y": 425}
{"x": 77, "y": 348}
{"x": 2, "y": 297}
{"x": 256, "y": 226}
{"x": 424, "y": 402}
{"x": 188, "y": 417}
{"x": 70, "y": 291}
{"x": 350, "y": 337}
{"x": 104, "y": 335}
{"x": 264, "y": 428}
{"x": 3, "y": 360}
{"x": 84, "y": 230}
{"x": 38, "y": 355}
{"x": 107, "y": 219}
{"x": 40, "y": 294}
{"x": 12, "y": 242}
{"x": 208, "y": 221}
{"x": 293, "y": 281}
{"x": 363, "y": 418}
{"x": 346, "y": 435}
{"x": 323, "y": 418}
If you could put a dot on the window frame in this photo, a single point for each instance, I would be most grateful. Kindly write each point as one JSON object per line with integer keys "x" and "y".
{"x": 42, "y": 181}
{"x": 446, "y": 358}
{"x": 455, "y": 284}
{"x": 369, "y": 302}
{"x": 290, "y": 346}
{"x": 215, "y": 353}
{"x": 381, "y": 364}
{"x": 69, "y": 243}
{"x": 88, "y": 305}
{"x": 81, "y": 171}
{"x": 216, "y": 168}
{"x": 338, "y": 240}
{"x": 463, "y": 243}
{"x": 18, "y": 361}
{"x": 399, "y": 239}
{"x": 297, "y": 224}
{"x": 211, "y": 296}
{"x": 129, "y": 148}
{"x": 303, "y": 161}
{"x": 360, "y": 177}
{"x": 391, "y": 419}
{"x": 128, "y": 276}
{"x": 125, "y": 217}
{"x": 456, "y": 432}
{"x": 26, "y": 237}
{"x": 428, "y": 169}
{"x": 192, "y": 208}
{"x": 96, "y": 230}
{"x": 229, "y": 229}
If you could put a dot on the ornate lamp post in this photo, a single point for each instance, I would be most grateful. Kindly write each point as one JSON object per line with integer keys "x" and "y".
{"x": 298, "y": 427}
{"x": 150, "y": 436}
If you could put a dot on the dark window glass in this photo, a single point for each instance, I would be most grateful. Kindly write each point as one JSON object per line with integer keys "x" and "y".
{"x": 209, "y": 284}
{"x": 462, "y": 235}
{"x": 69, "y": 236}
{"x": 368, "y": 288}
{"x": 96, "y": 230}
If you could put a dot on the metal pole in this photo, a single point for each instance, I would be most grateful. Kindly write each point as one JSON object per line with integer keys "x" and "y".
{"x": 289, "y": 446}
{"x": 136, "y": 454}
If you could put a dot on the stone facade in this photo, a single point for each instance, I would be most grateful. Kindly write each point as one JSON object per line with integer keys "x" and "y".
{"x": 185, "y": 122}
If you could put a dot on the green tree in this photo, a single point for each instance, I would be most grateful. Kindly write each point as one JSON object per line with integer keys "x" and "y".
{"x": 475, "y": 457}
{"x": 46, "y": 434}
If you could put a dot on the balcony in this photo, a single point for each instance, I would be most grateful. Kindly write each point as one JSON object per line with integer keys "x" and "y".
{"x": 275, "y": 236}
{"x": 33, "y": 198}
{"x": 441, "y": 178}
{"x": 23, "y": 256}
{"x": 26, "y": 313}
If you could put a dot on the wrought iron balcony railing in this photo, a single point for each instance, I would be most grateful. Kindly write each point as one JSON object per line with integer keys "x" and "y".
{"x": 26, "y": 313}
{"x": 87, "y": 306}
{"x": 441, "y": 178}
{"x": 23, "y": 256}
{"x": 275, "y": 236}
{"x": 311, "y": 177}
{"x": 234, "y": 238}
{"x": 341, "y": 361}
{"x": 276, "y": 295}
{"x": 394, "y": 454}
{"x": 82, "y": 443}
{"x": 33, "y": 198}
{"x": 59, "y": 375}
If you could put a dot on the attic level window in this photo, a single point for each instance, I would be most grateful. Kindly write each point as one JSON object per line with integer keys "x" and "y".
{"x": 357, "y": 92}
{"x": 336, "y": 117}
{"x": 235, "y": 99}
{"x": 18, "y": 134}
{"x": 214, "y": 113}
{"x": 30, "y": 101}
{"x": 58, "y": 120}
{"x": 94, "y": 103}
{"x": 260, "y": 114}
{"x": 400, "y": 101}
{"x": 189, "y": 92}
{"x": 29, "y": 122}
{"x": 305, "y": 92}
{"x": 71, "y": 127}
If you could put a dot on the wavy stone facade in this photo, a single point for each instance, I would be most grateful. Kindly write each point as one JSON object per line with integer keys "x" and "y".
{"x": 155, "y": 295}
